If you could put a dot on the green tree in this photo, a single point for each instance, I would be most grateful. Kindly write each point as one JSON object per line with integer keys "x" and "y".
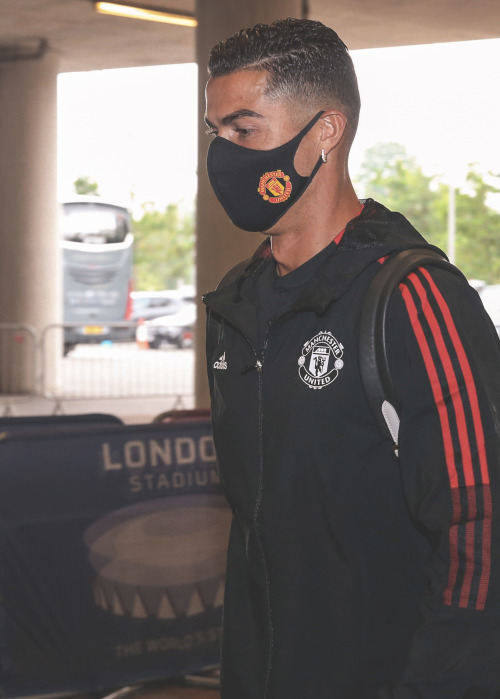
{"x": 395, "y": 179}
{"x": 380, "y": 162}
{"x": 164, "y": 248}
{"x": 478, "y": 228}
{"x": 84, "y": 185}
{"x": 391, "y": 176}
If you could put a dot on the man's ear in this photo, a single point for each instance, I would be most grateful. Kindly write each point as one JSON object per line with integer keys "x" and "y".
{"x": 333, "y": 127}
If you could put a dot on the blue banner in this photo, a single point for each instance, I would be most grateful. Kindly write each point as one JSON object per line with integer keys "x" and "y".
{"x": 112, "y": 555}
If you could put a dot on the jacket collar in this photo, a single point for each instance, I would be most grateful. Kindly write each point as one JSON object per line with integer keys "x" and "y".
{"x": 376, "y": 232}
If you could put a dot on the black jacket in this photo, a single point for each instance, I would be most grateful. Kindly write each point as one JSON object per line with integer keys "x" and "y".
{"x": 353, "y": 574}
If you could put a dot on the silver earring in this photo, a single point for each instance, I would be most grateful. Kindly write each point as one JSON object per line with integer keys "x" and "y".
{"x": 323, "y": 155}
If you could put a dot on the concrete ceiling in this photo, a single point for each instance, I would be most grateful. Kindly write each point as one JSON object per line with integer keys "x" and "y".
{"x": 376, "y": 23}
{"x": 85, "y": 40}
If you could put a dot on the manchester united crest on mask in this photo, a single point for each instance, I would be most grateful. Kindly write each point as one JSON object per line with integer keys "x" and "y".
{"x": 321, "y": 360}
{"x": 275, "y": 187}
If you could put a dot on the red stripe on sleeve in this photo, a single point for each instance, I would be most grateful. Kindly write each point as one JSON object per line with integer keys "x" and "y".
{"x": 479, "y": 434}
{"x": 466, "y": 370}
{"x": 451, "y": 378}
{"x": 447, "y": 440}
{"x": 453, "y": 544}
{"x": 486, "y": 552}
{"x": 435, "y": 385}
{"x": 483, "y": 563}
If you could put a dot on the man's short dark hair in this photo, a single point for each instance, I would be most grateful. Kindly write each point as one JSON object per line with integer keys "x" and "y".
{"x": 307, "y": 62}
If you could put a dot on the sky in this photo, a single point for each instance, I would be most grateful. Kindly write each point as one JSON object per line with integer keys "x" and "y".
{"x": 134, "y": 130}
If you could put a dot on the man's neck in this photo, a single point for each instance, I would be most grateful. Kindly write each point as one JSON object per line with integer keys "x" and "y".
{"x": 302, "y": 240}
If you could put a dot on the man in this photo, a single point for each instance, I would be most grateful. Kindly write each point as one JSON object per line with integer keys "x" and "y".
{"x": 351, "y": 574}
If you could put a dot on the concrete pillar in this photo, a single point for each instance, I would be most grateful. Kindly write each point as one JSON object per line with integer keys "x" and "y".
{"x": 30, "y": 277}
{"x": 219, "y": 244}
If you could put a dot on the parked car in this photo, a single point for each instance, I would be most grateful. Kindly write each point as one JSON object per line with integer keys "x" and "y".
{"x": 173, "y": 329}
{"x": 153, "y": 304}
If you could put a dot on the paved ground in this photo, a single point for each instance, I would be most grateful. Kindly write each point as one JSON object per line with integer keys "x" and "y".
{"x": 183, "y": 693}
{"x": 152, "y": 690}
{"x": 170, "y": 692}
{"x": 162, "y": 690}
{"x": 134, "y": 385}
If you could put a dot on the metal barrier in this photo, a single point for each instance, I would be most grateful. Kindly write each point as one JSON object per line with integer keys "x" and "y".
{"x": 112, "y": 369}
{"x": 18, "y": 359}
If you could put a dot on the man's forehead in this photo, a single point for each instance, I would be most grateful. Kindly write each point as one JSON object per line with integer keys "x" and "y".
{"x": 236, "y": 92}
{"x": 248, "y": 78}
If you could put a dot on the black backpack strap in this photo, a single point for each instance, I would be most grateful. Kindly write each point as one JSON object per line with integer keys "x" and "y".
{"x": 372, "y": 350}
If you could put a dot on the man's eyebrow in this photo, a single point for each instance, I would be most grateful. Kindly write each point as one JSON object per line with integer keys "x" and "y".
{"x": 229, "y": 118}
{"x": 238, "y": 114}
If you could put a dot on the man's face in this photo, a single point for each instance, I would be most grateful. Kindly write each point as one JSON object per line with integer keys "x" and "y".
{"x": 238, "y": 110}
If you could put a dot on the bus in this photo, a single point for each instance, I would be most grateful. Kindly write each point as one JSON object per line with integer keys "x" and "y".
{"x": 97, "y": 262}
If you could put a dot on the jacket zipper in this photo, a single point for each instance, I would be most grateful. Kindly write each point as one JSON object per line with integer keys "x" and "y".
{"x": 259, "y": 365}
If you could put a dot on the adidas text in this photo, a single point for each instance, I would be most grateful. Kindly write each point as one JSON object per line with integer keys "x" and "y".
{"x": 221, "y": 362}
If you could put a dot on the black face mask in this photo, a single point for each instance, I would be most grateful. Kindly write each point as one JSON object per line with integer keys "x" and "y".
{"x": 256, "y": 187}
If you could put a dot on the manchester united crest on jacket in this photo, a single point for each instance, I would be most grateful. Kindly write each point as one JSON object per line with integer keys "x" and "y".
{"x": 321, "y": 360}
